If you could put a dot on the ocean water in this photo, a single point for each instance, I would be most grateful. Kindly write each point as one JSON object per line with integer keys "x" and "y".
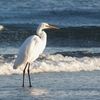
{"x": 69, "y": 66}
{"x": 52, "y": 86}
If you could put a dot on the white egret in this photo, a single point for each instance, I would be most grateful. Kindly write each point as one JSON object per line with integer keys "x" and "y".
{"x": 31, "y": 49}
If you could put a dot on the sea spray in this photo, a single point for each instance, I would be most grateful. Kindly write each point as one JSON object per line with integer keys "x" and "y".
{"x": 53, "y": 63}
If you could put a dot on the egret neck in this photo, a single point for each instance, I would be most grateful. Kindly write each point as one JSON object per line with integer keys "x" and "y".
{"x": 43, "y": 36}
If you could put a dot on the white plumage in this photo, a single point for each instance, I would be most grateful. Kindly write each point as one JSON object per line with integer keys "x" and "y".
{"x": 32, "y": 48}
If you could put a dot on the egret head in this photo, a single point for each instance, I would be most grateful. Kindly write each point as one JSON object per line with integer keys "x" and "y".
{"x": 43, "y": 26}
{"x": 47, "y": 26}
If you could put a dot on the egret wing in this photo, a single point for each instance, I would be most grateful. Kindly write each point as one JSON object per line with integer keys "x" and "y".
{"x": 27, "y": 51}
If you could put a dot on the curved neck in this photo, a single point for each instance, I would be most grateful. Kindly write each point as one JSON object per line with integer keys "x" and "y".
{"x": 43, "y": 37}
{"x": 38, "y": 31}
{"x": 41, "y": 34}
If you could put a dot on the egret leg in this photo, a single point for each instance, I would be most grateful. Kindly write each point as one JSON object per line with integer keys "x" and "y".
{"x": 24, "y": 74}
{"x": 29, "y": 76}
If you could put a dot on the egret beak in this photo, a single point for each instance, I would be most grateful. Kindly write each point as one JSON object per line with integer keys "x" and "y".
{"x": 52, "y": 27}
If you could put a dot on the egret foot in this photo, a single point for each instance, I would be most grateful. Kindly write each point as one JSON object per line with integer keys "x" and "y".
{"x": 30, "y": 86}
{"x": 22, "y": 85}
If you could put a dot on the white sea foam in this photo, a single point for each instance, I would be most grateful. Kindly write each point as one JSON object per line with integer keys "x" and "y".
{"x": 1, "y": 27}
{"x": 53, "y": 63}
{"x": 38, "y": 92}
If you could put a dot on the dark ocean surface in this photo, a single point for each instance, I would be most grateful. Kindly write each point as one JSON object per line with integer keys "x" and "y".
{"x": 79, "y": 22}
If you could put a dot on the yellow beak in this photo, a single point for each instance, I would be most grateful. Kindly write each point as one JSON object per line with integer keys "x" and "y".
{"x": 52, "y": 27}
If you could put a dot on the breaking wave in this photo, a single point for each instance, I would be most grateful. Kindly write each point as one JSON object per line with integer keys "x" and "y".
{"x": 51, "y": 63}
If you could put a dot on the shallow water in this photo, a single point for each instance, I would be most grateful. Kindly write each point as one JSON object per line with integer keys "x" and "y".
{"x": 52, "y": 86}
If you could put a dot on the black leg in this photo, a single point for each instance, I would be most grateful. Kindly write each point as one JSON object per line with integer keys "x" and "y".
{"x": 24, "y": 74}
{"x": 29, "y": 75}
